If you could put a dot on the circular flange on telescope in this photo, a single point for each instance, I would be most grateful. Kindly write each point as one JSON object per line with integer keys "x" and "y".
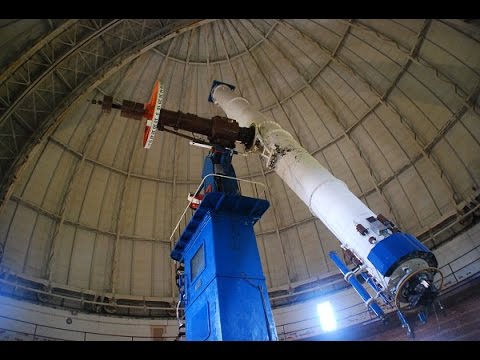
{"x": 152, "y": 114}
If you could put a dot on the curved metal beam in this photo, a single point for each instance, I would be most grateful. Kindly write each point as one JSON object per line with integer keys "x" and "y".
{"x": 53, "y": 66}
{"x": 228, "y": 59}
{"x": 30, "y": 52}
{"x": 125, "y": 55}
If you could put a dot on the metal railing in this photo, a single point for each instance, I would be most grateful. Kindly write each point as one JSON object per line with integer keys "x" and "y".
{"x": 37, "y": 286}
{"x": 82, "y": 335}
{"x": 456, "y": 272}
{"x": 365, "y": 314}
{"x": 177, "y": 230}
{"x": 362, "y": 316}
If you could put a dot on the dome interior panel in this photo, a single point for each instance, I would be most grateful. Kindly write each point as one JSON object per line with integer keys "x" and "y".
{"x": 72, "y": 131}
{"x": 387, "y": 54}
{"x": 100, "y": 273}
{"x": 379, "y": 203}
{"x": 359, "y": 88}
{"x": 414, "y": 117}
{"x": 182, "y": 157}
{"x": 7, "y": 219}
{"x": 148, "y": 165}
{"x": 228, "y": 39}
{"x": 311, "y": 245}
{"x": 328, "y": 118}
{"x": 107, "y": 220}
{"x": 204, "y": 80}
{"x": 127, "y": 223}
{"x": 334, "y": 156}
{"x": 314, "y": 122}
{"x": 81, "y": 259}
{"x": 376, "y": 60}
{"x": 263, "y": 259}
{"x": 38, "y": 248}
{"x": 405, "y": 214}
{"x": 59, "y": 266}
{"x": 372, "y": 154}
{"x": 195, "y": 163}
{"x": 450, "y": 67}
{"x": 166, "y": 161}
{"x": 161, "y": 270}
{"x": 391, "y": 146}
{"x": 268, "y": 221}
{"x": 278, "y": 115}
{"x": 306, "y": 64}
{"x": 145, "y": 214}
{"x": 79, "y": 187}
{"x": 113, "y": 136}
{"x": 18, "y": 238}
{"x": 425, "y": 101}
{"x": 470, "y": 120}
{"x": 278, "y": 271}
{"x": 398, "y": 131}
{"x": 259, "y": 93}
{"x": 436, "y": 185}
{"x": 162, "y": 218}
{"x": 464, "y": 49}
{"x": 57, "y": 190}
{"x": 142, "y": 268}
{"x": 42, "y": 174}
{"x": 294, "y": 255}
{"x": 300, "y": 210}
{"x": 303, "y": 130}
{"x": 424, "y": 207}
{"x": 280, "y": 201}
{"x": 94, "y": 197}
{"x": 438, "y": 86}
{"x": 454, "y": 167}
{"x": 29, "y": 168}
{"x": 124, "y": 267}
{"x": 328, "y": 86}
{"x": 396, "y": 30}
{"x": 357, "y": 175}
{"x": 350, "y": 61}
{"x": 326, "y": 33}
{"x": 328, "y": 243}
{"x": 174, "y": 87}
{"x": 467, "y": 149}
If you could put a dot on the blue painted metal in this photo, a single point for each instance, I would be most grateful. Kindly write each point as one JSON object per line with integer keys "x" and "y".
{"x": 356, "y": 285}
{"x": 395, "y": 248}
{"x": 374, "y": 286}
{"x": 405, "y": 323}
{"x": 422, "y": 316}
{"x": 215, "y": 83}
{"x": 226, "y": 296}
{"x": 219, "y": 161}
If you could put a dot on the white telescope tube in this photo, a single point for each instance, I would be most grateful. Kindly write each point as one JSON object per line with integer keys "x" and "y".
{"x": 327, "y": 197}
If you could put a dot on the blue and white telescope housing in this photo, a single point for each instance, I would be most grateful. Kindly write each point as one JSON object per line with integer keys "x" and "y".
{"x": 401, "y": 270}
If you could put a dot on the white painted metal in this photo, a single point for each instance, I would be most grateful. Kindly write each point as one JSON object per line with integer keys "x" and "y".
{"x": 327, "y": 197}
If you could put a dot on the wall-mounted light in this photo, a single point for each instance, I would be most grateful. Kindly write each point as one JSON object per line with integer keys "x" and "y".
{"x": 327, "y": 317}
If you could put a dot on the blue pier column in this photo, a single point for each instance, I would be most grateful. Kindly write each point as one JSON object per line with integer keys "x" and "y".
{"x": 226, "y": 294}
